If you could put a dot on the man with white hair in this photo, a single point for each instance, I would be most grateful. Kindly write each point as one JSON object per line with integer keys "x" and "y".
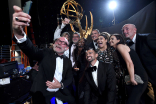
{"x": 145, "y": 47}
{"x": 55, "y": 70}
{"x": 95, "y": 34}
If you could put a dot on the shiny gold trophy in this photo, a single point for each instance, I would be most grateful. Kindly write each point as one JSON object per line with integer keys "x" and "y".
{"x": 71, "y": 7}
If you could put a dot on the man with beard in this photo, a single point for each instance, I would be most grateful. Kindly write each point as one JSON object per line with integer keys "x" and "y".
{"x": 55, "y": 70}
{"x": 100, "y": 87}
{"x": 95, "y": 34}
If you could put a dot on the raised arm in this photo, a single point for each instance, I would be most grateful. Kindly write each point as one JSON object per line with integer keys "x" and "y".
{"x": 20, "y": 20}
{"x": 58, "y": 30}
{"x": 130, "y": 66}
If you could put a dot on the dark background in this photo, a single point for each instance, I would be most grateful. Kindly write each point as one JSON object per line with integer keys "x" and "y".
{"x": 44, "y": 16}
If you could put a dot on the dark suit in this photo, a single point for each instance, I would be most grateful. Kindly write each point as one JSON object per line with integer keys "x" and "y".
{"x": 146, "y": 49}
{"x": 70, "y": 45}
{"x": 47, "y": 67}
{"x": 91, "y": 45}
{"x": 106, "y": 90}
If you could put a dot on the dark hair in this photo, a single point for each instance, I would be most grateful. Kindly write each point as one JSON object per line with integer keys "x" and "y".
{"x": 90, "y": 48}
{"x": 104, "y": 36}
{"x": 85, "y": 41}
{"x": 119, "y": 37}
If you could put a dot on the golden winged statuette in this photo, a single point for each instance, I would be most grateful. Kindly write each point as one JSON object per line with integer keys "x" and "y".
{"x": 74, "y": 12}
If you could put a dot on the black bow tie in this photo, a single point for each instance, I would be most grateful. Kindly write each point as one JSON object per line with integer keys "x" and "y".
{"x": 130, "y": 42}
{"x": 92, "y": 68}
{"x": 62, "y": 56}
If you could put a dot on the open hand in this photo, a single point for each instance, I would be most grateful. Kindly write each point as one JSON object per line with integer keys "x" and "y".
{"x": 53, "y": 85}
{"x": 66, "y": 21}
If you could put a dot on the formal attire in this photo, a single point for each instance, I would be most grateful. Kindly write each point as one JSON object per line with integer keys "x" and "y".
{"x": 110, "y": 56}
{"x": 145, "y": 47}
{"x": 81, "y": 63}
{"x": 93, "y": 45}
{"x": 47, "y": 71}
{"x": 134, "y": 93}
{"x": 105, "y": 56}
{"x": 100, "y": 87}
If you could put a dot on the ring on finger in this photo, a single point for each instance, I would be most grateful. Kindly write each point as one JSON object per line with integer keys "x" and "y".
{"x": 16, "y": 18}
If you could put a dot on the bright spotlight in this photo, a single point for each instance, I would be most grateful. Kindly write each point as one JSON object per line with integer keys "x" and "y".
{"x": 112, "y": 5}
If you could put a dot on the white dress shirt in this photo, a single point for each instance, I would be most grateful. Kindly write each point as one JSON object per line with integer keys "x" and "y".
{"x": 58, "y": 71}
{"x": 72, "y": 58}
{"x": 95, "y": 45}
{"x": 94, "y": 73}
{"x": 134, "y": 40}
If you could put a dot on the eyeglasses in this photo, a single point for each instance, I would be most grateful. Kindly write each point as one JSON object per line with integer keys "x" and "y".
{"x": 61, "y": 42}
{"x": 75, "y": 36}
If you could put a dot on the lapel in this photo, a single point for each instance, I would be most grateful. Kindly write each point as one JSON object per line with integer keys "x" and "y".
{"x": 70, "y": 49}
{"x": 137, "y": 47}
{"x": 64, "y": 67}
{"x": 93, "y": 45}
{"x": 100, "y": 76}
{"x": 50, "y": 67}
{"x": 90, "y": 80}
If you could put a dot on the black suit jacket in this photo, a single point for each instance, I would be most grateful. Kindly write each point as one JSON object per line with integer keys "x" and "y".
{"x": 47, "y": 66}
{"x": 106, "y": 90}
{"x": 91, "y": 45}
{"x": 146, "y": 50}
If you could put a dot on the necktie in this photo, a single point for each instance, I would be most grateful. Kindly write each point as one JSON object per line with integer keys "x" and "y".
{"x": 62, "y": 56}
{"x": 131, "y": 43}
{"x": 92, "y": 68}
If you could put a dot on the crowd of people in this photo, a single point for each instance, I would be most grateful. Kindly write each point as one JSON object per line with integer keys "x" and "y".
{"x": 112, "y": 69}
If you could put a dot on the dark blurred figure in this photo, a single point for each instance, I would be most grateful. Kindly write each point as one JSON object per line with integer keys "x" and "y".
{"x": 80, "y": 64}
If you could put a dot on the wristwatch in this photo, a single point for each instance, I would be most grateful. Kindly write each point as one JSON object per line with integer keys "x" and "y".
{"x": 62, "y": 86}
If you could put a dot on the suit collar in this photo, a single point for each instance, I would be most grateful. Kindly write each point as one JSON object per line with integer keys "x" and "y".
{"x": 136, "y": 44}
{"x": 100, "y": 76}
{"x": 134, "y": 38}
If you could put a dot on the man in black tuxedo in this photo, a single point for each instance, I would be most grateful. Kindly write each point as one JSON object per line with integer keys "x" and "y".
{"x": 145, "y": 46}
{"x": 72, "y": 46}
{"x": 55, "y": 70}
{"x": 95, "y": 34}
{"x": 100, "y": 86}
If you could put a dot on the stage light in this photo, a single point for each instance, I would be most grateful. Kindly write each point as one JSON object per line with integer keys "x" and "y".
{"x": 112, "y": 5}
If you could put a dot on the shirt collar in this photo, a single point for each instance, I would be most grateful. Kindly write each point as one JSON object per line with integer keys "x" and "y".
{"x": 96, "y": 64}
{"x": 134, "y": 38}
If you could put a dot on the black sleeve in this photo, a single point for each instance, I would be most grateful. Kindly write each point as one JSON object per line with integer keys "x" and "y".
{"x": 111, "y": 85}
{"x": 151, "y": 41}
{"x": 29, "y": 49}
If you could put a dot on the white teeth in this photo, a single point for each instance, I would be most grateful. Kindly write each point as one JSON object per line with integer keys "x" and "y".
{"x": 89, "y": 58}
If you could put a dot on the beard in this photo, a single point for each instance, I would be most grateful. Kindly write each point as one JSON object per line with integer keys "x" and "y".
{"x": 55, "y": 46}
